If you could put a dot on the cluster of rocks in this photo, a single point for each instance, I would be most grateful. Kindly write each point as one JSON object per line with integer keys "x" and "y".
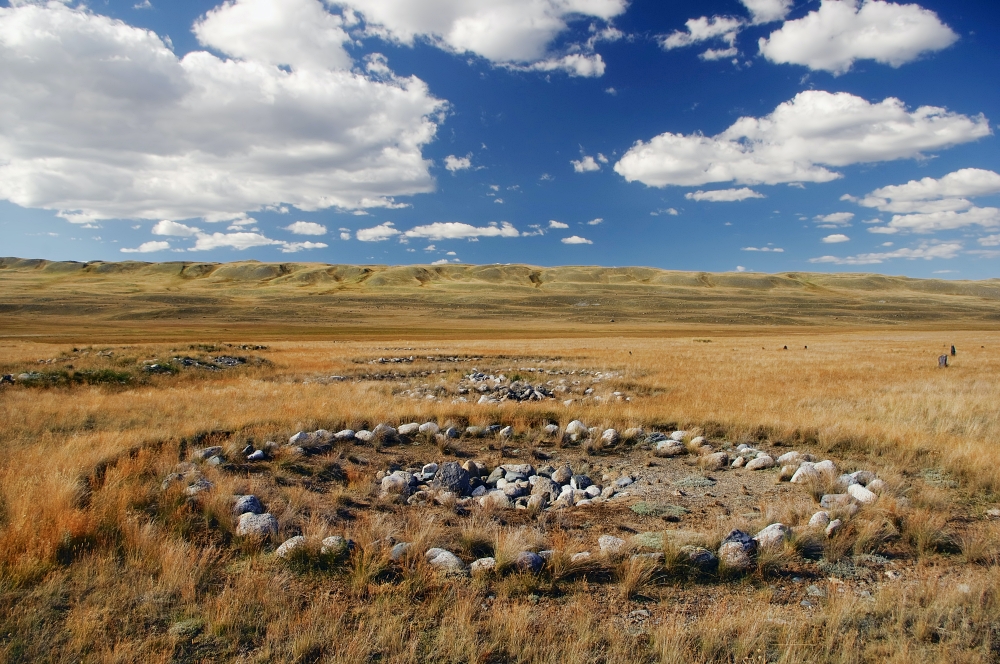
{"x": 509, "y": 486}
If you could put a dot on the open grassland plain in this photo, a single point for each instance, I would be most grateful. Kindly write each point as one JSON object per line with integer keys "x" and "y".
{"x": 126, "y": 442}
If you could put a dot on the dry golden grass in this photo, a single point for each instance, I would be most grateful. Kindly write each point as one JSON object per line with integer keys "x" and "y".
{"x": 98, "y": 563}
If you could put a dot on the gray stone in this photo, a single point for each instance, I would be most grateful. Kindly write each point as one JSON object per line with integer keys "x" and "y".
{"x": 623, "y": 481}
{"x": 593, "y": 491}
{"x": 678, "y": 435}
{"x": 789, "y": 458}
{"x": 580, "y": 482}
{"x": 336, "y": 545}
{"x": 453, "y": 477}
{"x": 845, "y": 481}
{"x": 580, "y": 557}
{"x": 290, "y": 545}
{"x": 737, "y": 550}
{"x": 833, "y": 527}
{"x": 611, "y": 545}
{"x": 739, "y": 462}
{"x": 395, "y": 485}
{"x": 473, "y": 432}
{"x": 820, "y": 519}
{"x": 300, "y": 438}
{"x": 562, "y": 475}
{"x": 198, "y": 486}
{"x": 257, "y": 525}
{"x": 700, "y": 558}
{"x": 247, "y": 505}
{"x": 214, "y": 461}
{"x": 863, "y": 477}
{"x": 815, "y": 591}
{"x": 715, "y": 461}
{"x": 524, "y": 469}
{"x": 444, "y": 560}
{"x": 669, "y": 448}
{"x": 610, "y": 437}
{"x": 497, "y": 475}
{"x": 452, "y": 432}
{"x": 773, "y": 535}
{"x": 787, "y": 472}
{"x": 384, "y": 434}
{"x": 538, "y": 501}
{"x": 479, "y": 491}
{"x": 506, "y": 432}
{"x": 550, "y": 429}
{"x": 545, "y": 486}
{"x": 429, "y": 469}
{"x": 346, "y": 434}
{"x": 495, "y": 500}
{"x": 832, "y": 501}
{"x": 608, "y": 491}
{"x": 760, "y": 463}
{"x": 364, "y": 436}
{"x": 483, "y": 566}
{"x": 399, "y": 552}
{"x": 632, "y": 433}
{"x": 576, "y": 428}
{"x": 530, "y": 562}
{"x": 409, "y": 429}
{"x": 877, "y": 486}
{"x": 429, "y": 429}
{"x": 826, "y": 467}
{"x": 257, "y": 455}
{"x": 206, "y": 453}
{"x": 514, "y": 490}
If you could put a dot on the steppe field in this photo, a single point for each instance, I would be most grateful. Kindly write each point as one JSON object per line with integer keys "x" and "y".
{"x": 495, "y": 464}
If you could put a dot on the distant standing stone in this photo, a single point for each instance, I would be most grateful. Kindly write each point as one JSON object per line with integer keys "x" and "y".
{"x": 943, "y": 362}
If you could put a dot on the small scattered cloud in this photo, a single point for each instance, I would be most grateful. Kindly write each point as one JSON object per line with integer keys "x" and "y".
{"x": 834, "y": 220}
{"x": 172, "y": 228}
{"x": 836, "y": 238}
{"x": 723, "y": 195}
{"x": 557, "y": 224}
{"x": 345, "y": 235}
{"x": 239, "y": 241}
{"x": 740, "y": 268}
{"x": 595, "y": 222}
{"x": 147, "y": 247}
{"x": 306, "y": 228}
{"x": 585, "y": 165}
{"x": 668, "y": 211}
{"x": 576, "y": 239}
{"x": 293, "y": 247}
{"x": 990, "y": 241}
{"x": 380, "y": 233}
{"x": 145, "y": 4}
{"x": 926, "y": 251}
{"x": 454, "y": 230}
{"x": 776, "y": 250}
{"x": 455, "y": 164}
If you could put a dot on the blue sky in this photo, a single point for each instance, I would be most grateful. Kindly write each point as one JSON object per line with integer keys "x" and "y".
{"x": 758, "y": 135}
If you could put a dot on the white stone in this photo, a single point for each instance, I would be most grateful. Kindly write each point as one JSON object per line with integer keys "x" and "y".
{"x": 290, "y": 545}
{"x": 395, "y": 485}
{"x": 678, "y": 435}
{"x": 257, "y": 525}
{"x": 593, "y": 491}
{"x": 861, "y": 494}
{"x": 806, "y": 473}
{"x": 789, "y": 458}
{"x": 738, "y": 462}
{"x": 773, "y": 535}
{"x": 669, "y": 448}
{"x": 409, "y": 429}
{"x": 611, "y": 545}
{"x": 833, "y": 527}
{"x": 507, "y": 432}
{"x": 876, "y": 486}
{"x": 445, "y": 560}
{"x": 429, "y": 468}
{"x": 820, "y": 519}
{"x": 429, "y": 429}
{"x": 826, "y": 467}
{"x": 698, "y": 441}
{"x": 364, "y": 436}
{"x": 609, "y": 437}
{"x": 576, "y": 427}
{"x": 300, "y": 438}
{"x": 483, "y": 565}
{"x": 581, "y": 557}
{"x": 346, "y": 434}
{"x": 760, "y": 463}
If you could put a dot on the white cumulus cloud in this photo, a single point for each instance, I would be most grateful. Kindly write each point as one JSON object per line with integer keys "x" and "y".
{"x": 835, "y": 219}
{"x": 293, "y": 247}
{"x": 306, "y": 228}
{"x": 506, "y": 32}
{"x": 575, "y": 239}
{"x": 799, "y": 142}
{"x": 776, "y": 250}
{"x": 557, "y": 224}
{"x": 840, "y": 32}
{"x": 930, "y": 205}
{"x": 836, "y": 238}
{"x": 239, "y": 241}
{"x": 102, "y": 120}
{"x": 453, "y": 163}
{"x": 456, "y": 230}
{"x": 586, "y": 165}
{"x": 147, "y": 247}
{"x": 167, "y": 227}
{"x": 383, "y": 231}
{"x": 768, "y": 11}
{"x": 723, "y": 195}
{"x": 924, "y": 251}
{"x": 595, "y": 222}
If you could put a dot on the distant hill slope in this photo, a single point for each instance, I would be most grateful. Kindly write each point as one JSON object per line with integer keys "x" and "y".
{"x": 312, "y": 294}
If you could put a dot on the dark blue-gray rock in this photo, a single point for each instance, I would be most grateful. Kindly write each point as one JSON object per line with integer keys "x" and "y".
{"x": 700, "y": 558}
{"x": 247, "y": 450}
{"x": 453, "y": 477}
{"x": 530, "y": 562}
{"x": 546, "y": 471}
{"x": 452, "y": 432}
{"x": 497, "y": 474}
{"x": 257, "y": 455}
{"x": 247, "y": 505}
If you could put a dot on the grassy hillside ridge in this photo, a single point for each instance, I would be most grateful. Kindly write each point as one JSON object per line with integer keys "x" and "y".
{"x": 509, "y": 275}
{"x": 67, "y": 300}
